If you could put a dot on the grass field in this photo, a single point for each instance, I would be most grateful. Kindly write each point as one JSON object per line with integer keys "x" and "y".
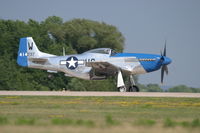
{"x": 98, "y": 114}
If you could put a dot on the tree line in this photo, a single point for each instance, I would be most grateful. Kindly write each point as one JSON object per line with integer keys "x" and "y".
{"x": 178, "y": 88}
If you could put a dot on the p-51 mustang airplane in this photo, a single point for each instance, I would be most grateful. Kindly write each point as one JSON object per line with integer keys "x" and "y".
{"x": 95, "y": 64}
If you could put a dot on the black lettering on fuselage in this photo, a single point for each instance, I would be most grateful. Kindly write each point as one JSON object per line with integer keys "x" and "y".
{"x": 30, "y": 46}
{"x": 89, "y": 60}
{"x": 31, "y": 54}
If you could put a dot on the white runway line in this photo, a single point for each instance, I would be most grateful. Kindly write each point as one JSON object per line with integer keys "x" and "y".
{"x": 95, "y": 93}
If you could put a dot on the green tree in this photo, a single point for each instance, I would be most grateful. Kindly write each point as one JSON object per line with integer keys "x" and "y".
{"x": 84, "y": 34}
{"x": 183, "y": 88}
{"x": 150, "y": 88}
{"x": 154, "y": 88}
{"x": 91, "y": 85}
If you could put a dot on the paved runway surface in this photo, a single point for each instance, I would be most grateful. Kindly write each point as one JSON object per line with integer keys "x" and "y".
{"x": 94, "y": 93}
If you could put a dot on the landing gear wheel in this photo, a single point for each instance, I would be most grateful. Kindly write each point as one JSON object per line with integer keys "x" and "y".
{"x": 134, "y": 88}
{"x": 122, "y": 89}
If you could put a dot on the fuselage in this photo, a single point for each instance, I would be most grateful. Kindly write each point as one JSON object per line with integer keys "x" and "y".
{"x": 132, "y": 63}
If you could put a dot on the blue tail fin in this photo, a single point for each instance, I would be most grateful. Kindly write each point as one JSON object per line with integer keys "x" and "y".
{"x": 22, "y": 53}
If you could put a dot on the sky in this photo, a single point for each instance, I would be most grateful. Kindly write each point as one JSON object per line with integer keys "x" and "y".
{"x": 145, "y": 24}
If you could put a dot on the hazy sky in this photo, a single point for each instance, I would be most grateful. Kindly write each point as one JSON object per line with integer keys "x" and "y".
{"x": 144, "y": 23}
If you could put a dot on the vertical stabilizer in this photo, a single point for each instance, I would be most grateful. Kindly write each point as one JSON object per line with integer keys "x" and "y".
{"x": 27, "y": 50}
{"x": 22, "y": 53}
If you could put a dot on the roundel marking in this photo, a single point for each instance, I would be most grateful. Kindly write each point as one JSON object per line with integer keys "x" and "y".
{"x": 72, "y": 62}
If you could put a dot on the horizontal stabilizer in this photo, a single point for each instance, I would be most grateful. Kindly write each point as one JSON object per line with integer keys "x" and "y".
{"x": 38, "y": 59}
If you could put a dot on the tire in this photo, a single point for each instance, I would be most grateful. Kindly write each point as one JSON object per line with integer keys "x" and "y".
{"x": 134, "y": 89}
{"x": 122, "y": 89}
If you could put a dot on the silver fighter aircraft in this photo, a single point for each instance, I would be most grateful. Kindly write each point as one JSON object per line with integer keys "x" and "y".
{"x": 95, "y": 64}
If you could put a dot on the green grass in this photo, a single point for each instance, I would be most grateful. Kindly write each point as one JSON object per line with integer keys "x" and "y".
{"x": 145, "y": 122}
{"x": 97, "y": 114}
{"x": 109, "y": 121}
{"x": 23, "y": 121}
{"x": 3, "y": 120}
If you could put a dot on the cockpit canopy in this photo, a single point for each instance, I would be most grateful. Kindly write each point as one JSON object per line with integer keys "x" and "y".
{"x": 108, "y": 51}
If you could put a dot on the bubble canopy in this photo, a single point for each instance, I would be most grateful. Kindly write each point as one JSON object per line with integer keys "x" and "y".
{"x": 102, "y": 51}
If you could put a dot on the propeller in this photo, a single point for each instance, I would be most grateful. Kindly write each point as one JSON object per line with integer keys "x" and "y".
{"x": 164, "y": 68}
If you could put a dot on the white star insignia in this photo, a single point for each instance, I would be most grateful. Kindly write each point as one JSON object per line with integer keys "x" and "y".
{"x": 72, "y": 62}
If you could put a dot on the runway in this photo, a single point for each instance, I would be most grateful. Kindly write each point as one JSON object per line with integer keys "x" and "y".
{"x": 95, "y": 93}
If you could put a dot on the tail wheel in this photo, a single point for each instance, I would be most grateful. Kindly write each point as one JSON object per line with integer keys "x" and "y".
{"x": 134, "y": 88}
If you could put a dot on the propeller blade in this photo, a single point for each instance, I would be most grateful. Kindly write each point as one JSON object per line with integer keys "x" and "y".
{"x": 164, "y": 54}
{"x": 162, "y": 74}
{"x": 166, "y": 69}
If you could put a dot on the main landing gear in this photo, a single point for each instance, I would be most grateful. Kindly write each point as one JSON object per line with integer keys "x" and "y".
{"x": 121, "y": 86}
{"x": 133, "y": 87}
{"x": 120, "y": 82}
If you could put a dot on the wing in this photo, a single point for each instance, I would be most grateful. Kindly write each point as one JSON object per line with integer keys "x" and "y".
{"x": 112, "y": 66}
{"x": 103, "y": 68}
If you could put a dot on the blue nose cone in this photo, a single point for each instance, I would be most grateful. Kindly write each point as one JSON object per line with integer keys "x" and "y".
{"x": 167, "y": 60}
